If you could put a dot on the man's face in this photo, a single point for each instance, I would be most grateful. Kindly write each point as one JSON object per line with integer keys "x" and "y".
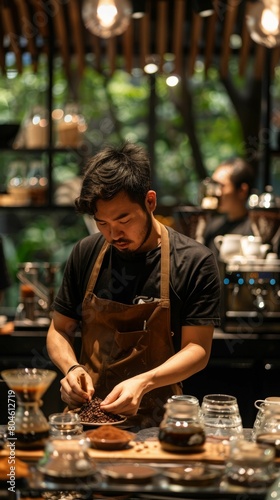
{"x": 124, "y": 224}
{"x": 229, "y": 194}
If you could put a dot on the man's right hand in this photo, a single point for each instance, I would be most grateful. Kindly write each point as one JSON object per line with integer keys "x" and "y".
{"x": 71, "y": 392}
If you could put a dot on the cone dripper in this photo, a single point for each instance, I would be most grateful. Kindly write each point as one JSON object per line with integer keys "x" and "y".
{"x": 29, "y": 385}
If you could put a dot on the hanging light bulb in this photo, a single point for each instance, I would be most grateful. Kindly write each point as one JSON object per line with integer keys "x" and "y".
{"x": 204, "y": 8}
{"x": 263, "y": 22}
{"x": 106, "y": 18}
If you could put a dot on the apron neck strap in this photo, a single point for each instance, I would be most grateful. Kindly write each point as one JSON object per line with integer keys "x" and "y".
{"x": 164, "y": 265}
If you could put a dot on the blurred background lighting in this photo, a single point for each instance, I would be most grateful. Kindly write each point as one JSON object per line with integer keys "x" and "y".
{"x": 172, "y": 80}
{"x": 204, "y": 8}
{"x": 263, "y": 22}
{"x": 107, "y": 18}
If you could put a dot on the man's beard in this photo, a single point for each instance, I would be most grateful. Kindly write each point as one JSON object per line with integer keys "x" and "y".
{"x": 147, "y": 232}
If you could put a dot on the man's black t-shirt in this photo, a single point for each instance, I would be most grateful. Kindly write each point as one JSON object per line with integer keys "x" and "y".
{"x": 194, "y": 280}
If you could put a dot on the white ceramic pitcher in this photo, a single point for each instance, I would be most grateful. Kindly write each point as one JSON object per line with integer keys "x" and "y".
{"x": 252, "y": 246}
{"x": 228, "y": 245}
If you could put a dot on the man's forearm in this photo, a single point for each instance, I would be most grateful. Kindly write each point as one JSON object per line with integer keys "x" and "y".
{"x": 60, "y": 350}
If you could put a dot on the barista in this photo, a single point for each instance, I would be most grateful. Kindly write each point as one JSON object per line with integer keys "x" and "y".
{"x": 235, "y": 178}
{"x": 145, "y": 296}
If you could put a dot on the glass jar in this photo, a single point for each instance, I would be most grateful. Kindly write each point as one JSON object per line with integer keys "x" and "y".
{"x": 222, "y": 420}
{"x": 268, "y": 432}
{"x": 262, "y": 405}
{"x": 36, "y": 128}
{"x": 70, "y": 126}
{"x": 181, "y": 429}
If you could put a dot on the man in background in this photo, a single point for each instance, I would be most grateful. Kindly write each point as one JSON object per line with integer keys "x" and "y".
{"x": 235, "y": 178}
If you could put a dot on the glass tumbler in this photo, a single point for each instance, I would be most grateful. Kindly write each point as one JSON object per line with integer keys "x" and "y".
{"x": 221, "y": 417}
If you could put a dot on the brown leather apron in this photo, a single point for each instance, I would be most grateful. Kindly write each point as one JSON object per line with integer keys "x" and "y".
{"x": 120, "y": 341}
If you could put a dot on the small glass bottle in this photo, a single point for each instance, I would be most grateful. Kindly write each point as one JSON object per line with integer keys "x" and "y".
{"x": 181, "y": 429}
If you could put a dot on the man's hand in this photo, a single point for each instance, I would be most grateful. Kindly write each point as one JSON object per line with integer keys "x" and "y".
{"x": 125, "y": 398}
{"x": 71, "y": 391}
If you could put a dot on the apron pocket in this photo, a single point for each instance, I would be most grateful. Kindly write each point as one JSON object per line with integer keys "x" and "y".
{"x": 128, "y": 346}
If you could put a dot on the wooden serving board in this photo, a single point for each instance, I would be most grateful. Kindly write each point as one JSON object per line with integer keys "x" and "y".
{"x": 146, "y": 451}
{"x": 151, "y": 451}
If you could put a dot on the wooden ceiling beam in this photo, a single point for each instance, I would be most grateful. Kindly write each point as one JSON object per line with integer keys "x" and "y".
{"x": 74, "y": 13}
{"x": 61, "y": 34}
{"x": 145, "y": 36}
{"x": 161, "y": 31}
{"x": 40, "y": 22}
{"x": 127, "y": 43}
{"x": 11, "y": 32}
{"x": 230, "y": 18}
{"x": 247, "y": 43}
{"x": 28, "y": 31}
{"x": 178, "y": 35}
{"x": 167, "y": 26}
{"x": 210, "y": 42}
{"x": 195, "y": 39}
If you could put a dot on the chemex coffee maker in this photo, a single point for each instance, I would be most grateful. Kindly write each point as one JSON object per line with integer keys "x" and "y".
{"x": 250, "y": 271}
{"x": 36, "y": 293}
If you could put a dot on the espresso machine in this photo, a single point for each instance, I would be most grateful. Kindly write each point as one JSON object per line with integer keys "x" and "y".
{"x": 251, "y": 280}
{"x": 250, "y": 295}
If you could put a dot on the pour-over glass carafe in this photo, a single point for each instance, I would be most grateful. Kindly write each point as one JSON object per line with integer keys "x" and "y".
{"x": 29, "y": 384}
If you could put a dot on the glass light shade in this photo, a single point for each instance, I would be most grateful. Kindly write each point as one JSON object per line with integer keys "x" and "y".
{"x": 204, "y": 8}
{"x": 106, "y": 18}
{"x": 263, "y": 22}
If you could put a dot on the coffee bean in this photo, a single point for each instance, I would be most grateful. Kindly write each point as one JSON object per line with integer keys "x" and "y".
{"x": 91, "y": 412}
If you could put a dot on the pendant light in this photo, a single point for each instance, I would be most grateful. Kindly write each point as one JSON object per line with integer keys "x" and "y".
{"x": 204, "y": 8}
{"x": 106, "y": 18}
{"x": 263, "y": 22}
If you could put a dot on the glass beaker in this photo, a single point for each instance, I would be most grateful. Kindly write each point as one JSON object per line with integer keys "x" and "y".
{"x": 29, "y": 384}
{"x": 181, "y": 429}
{"x": 221, "y": 417}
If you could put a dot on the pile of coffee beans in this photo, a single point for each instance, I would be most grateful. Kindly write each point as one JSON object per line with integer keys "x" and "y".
{"x": 91, "y": 412}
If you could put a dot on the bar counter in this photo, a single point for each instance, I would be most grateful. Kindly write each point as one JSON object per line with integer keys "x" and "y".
{"x": 245, "y": 365}
{"x": 153, "y": 481}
